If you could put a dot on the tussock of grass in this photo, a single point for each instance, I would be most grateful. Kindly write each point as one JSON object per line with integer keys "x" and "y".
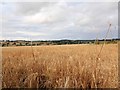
{"x": 69, "y": 66}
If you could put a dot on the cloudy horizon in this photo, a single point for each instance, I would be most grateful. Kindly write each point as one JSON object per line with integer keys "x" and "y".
{"x": 58, "y": 20}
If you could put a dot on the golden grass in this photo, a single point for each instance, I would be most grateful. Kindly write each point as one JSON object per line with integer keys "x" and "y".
{"x": 65, "y": 66}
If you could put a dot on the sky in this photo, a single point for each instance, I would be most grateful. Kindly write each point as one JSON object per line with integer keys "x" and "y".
{"x": 58, "y": 20}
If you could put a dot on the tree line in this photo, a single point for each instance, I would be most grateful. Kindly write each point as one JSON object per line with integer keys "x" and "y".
{"x": 5, "y": 43}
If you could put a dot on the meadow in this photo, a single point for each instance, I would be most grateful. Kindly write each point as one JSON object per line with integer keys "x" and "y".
{"x": 60, "y": 66}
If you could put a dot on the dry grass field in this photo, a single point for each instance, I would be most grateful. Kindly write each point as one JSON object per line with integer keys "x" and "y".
{"x": 65, "y": 66}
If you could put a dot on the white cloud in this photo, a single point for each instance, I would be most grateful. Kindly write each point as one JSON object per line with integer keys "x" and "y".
{"x": 49, "y": 14}
{"x": 61, "y": 0}
{"x": 61, "y": 20}
{"x": 30, "y": 33}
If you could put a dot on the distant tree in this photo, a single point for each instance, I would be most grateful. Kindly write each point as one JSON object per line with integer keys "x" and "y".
{"x": 3, "y": 45}
{"x": 7, "y": 44}
{"x": 14, "y": 43}
{"x": 20, "y": 44}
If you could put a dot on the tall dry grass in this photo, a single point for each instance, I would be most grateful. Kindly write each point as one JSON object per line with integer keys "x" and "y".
{"x": 65, "y": 66}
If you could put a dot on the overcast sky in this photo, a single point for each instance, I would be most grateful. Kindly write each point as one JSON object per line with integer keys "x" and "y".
{"x": 58, "y": 20}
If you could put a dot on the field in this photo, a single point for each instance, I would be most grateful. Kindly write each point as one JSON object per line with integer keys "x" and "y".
{"x": 64, "y": 66}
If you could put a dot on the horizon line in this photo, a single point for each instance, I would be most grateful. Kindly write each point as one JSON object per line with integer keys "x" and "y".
{"x": 56, "y": 39}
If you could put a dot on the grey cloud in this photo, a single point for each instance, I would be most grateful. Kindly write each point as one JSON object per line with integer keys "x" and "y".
{"x": 76, "y": 20}
{"x": 27, "y": 8}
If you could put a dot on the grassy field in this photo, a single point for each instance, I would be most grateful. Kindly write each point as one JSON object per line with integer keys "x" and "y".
{"x": 65, "y": 66}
